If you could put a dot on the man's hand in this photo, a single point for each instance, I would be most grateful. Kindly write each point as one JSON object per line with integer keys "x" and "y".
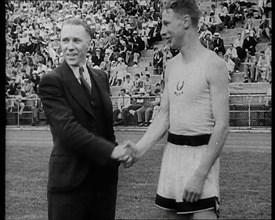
{"x": 136, "y": 152}
{"x": 193, "y": 189}
{"x": 130, "y": 158}
{"x": 120, "y": 151}
{"x": 126, "y": 153}
{"x": 132, "y": 154}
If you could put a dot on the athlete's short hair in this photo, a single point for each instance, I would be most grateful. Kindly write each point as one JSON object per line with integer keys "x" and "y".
{"x": 181, "y": 7}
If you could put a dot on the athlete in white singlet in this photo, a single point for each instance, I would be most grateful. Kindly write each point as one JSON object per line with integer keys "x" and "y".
{"x": 195, "y": 112}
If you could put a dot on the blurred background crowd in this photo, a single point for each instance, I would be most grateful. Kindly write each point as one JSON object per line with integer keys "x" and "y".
{"x": 121, "y": 31}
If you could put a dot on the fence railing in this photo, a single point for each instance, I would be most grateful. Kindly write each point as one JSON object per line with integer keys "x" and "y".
{"x": 246, "y": 111}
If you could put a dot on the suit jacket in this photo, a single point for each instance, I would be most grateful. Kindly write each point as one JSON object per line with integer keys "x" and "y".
{"x": 78, "y": 151}
{"x": 220, "y": 44}
{"x": 97, "y": 60}
{"x": 250, "y": 44}
{"x": 12, "y": 88}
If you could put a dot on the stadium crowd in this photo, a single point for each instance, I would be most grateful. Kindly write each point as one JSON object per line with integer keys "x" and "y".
{"x": 121, "y": 31}
{"x": 257, "y": 64}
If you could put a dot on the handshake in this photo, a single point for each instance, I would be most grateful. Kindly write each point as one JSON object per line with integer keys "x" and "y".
{"x": 127, "y": 153}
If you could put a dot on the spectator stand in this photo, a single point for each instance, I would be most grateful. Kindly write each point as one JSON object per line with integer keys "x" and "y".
{"x": 31, "y": 115}
{"x": 142, "y": 17}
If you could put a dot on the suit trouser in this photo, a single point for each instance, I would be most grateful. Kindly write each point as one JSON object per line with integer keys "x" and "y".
{"x": 89, "y": 201}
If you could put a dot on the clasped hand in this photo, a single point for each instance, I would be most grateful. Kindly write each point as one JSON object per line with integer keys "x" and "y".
{"x": 126, "y": 153}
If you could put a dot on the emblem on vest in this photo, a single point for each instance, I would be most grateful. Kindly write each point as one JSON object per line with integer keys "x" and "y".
{"x": 179, "y": 88}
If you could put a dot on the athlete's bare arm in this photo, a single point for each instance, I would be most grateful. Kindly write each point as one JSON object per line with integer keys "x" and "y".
{"x": 159, "y": 126}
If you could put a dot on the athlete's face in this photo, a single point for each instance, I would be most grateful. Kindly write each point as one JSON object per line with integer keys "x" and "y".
{"x": 172, "y": 29}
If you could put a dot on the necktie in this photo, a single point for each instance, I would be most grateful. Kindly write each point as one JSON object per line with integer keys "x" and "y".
{"x": 83, "y": 81}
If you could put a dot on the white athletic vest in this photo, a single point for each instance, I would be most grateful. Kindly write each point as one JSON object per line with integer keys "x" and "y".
{"x": 189, "y": 98}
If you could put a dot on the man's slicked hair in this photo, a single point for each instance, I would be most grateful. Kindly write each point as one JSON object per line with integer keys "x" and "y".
{"x": 181, "y": 7}
{"x": 78, "y": 21}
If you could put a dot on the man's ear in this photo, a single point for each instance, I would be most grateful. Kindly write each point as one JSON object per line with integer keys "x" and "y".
{"x": 186, "y": 21}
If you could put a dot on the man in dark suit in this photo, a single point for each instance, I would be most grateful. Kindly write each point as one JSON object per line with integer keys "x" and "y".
{"x": 249, "y": 43}
{"x": 83, "y": 166}
{"x": 97, "y": 58}
{"x": 218, "y": 44}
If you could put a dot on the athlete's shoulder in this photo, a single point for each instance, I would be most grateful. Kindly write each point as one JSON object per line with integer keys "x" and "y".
{"x": 213, "y": 59}
{"x": 215, "y": 66}
{"x": 173, "y": 60}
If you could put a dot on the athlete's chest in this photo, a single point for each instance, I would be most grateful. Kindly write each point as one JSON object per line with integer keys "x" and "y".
{"x": 187, "y": 80}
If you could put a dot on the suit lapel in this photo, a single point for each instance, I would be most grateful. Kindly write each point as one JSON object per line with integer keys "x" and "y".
{"x": 75, "y": 88}
{"x": 100, "y": 85}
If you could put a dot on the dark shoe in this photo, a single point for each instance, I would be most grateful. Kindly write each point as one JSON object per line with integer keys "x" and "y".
{"x": 140, "y": 124}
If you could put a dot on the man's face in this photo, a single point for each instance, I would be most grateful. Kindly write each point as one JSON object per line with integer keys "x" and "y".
{"x": 172, "y": 28}
{"x": 75, "y": 42}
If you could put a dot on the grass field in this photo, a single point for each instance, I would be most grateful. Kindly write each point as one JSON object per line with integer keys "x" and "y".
{"x": 245, "y": 177}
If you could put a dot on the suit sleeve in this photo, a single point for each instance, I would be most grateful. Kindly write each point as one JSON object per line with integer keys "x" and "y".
{"x": 65, "y": 127}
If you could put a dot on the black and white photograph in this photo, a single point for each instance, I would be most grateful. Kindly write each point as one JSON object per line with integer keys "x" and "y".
{"x": 137, "y": 109}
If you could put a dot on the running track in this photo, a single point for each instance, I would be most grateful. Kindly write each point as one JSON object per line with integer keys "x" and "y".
{"x": 237, "y": 141}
